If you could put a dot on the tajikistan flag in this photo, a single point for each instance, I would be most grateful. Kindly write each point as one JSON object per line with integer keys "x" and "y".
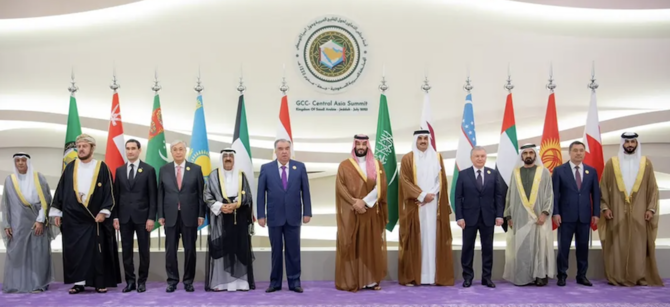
{"x": 284, "y": 127}
{"x": 466, "y": 142}
{"x": 508, "y": 147}
{"x": 242, "y": 147}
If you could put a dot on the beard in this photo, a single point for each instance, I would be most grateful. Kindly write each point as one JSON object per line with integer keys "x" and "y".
{"x": 86, "y": 157}
{"x": 629, "y": 150}
{"x": 529, "y": 161}
{"x": 361, "y": 153}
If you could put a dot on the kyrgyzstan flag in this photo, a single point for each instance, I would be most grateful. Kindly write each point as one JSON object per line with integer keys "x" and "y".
{"x": 284, "y": 127}
{"x": 550, "y": 148}
{"x": 116, "y": 148}
{"x": 594, "y": 147}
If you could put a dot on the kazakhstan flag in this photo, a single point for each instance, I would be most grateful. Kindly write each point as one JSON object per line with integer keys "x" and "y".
{"x": 199, "y": 153}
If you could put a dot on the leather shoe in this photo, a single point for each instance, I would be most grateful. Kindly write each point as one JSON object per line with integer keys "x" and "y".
{"x": 271, "y": 289}
{"x": 561, "y": 282}
{"x": 170, "y": 288}
{"x": 128, "y": 288}
{"x": 584, "y": 281}
{"x": 297, "y": 289}
{"x": 487, "y": 282}
{"x": 189, "y": 288}
{"x": 141, "y": 288}
{"x": 467, "y": 283}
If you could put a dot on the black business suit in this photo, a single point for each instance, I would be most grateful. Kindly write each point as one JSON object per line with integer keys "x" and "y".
{"x": 136, "y": 198}
{"x": 180, "y": 222}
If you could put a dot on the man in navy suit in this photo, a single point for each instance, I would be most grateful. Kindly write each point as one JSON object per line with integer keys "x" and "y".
{"x": 576, "y": 188}
{"x": 284, "y": 186}
{"x": 479, "y": 207}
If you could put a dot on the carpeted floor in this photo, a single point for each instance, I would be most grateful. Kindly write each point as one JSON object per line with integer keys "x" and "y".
{"x": 324, "y": 294}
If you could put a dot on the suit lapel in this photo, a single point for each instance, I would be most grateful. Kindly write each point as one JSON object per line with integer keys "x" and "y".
{"x": 487, "y": 177}
{"x": 173, "y": 175}
{"x": 277, "y": 174}
{"x": 292, "y": 173}
{"x": 137, "y": 173}
{"x": 571, "y": 175}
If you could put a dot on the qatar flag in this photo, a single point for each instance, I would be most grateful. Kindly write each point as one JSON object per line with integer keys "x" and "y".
{"x": 594, "y": 147}
{"x": 426, "y": 119}
{"x": 115, "y": 156}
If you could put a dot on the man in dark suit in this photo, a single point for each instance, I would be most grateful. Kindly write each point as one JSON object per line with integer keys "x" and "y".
{"x": 181, "y": 210}
{"x": 576, "y": 188}
{"x": 135, "y": 193}
{"x": 479, "y": 207}
{"x": 283, "y": 184}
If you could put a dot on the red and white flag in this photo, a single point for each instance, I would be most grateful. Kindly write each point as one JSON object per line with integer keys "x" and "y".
{"x": 594, "y": 147}
{"x": 115, "y": 156}
{"x": 426, "y": 120}
{"x": 284, "y": 127}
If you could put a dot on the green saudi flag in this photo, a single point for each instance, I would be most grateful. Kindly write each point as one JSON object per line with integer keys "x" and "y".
{"x": 385, "y": 153}
{"x": 156, "y": 149}
{"x": 72, "y": 132}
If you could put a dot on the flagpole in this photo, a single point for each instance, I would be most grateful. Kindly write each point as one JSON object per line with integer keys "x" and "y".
{"x": 73, "y": 87}
{"x": 156, "y": 88}
{"x": 509, "y": 86}
{"x": 383, "y": 87}
{"x": 551, "y": 86}
{"x": 593, "y": 86}
{"x": 199, "y": 88}
{"x": 115, "y": 86}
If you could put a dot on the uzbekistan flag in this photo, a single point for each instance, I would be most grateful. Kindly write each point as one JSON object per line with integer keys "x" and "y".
{"x": 466, "y": 142}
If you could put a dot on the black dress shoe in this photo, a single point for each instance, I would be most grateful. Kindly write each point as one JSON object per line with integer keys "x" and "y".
{"x": 561, "y": 282}
{"x": 467, "y": 283}
{"x": 170, "y": 288}
{"x": 297, "y": 289}
{"x": 271, "y": 289}
{"x": 584, "y": 281}
{"x": 141, "y": 288}
{"x": 189, "y": 288}
{"x": 487, "y": 282}
{"x": 128, "y": 288}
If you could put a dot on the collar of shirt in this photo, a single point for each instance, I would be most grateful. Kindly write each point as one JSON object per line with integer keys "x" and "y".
{"x": 279, "y": 165}
{"x": 572, "y": 166}
{"x": 478, "y": 169}
{"x": 136, "y": 164}
{"x": 183, "y": 164}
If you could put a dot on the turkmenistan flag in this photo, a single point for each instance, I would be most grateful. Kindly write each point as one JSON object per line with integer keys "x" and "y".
{"x": 156, "y": 149}
{"x": 242, "y": 147}
{"x": 385, "y": 153}
{"x": 508, "y": 148}
{"x": 72, "y": 132}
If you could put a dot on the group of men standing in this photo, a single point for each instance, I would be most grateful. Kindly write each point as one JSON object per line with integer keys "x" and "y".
{"x": 89, "y": 203}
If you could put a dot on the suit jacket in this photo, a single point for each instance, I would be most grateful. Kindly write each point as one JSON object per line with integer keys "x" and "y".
{"x": 136, "y": 201}
{"x": 471, "y": 202}
{"x": 190, "y": 196}
{"x": 283, "y": 206}
{"x": 572, "y": 204}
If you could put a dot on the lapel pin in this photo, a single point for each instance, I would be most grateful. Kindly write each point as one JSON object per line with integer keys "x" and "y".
{"x": 294, "y": 167}
{"x": 99, "y": 184}
{"x": 139, "y": 170}
{"x": 488, "y": 172}
{"x": 188, "y": 168}
{"x": 586, "y": 171}
{"x": 243, "y": 192}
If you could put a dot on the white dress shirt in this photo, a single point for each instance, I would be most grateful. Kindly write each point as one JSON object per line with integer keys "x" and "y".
{"x": 581, "y": 170}
{"x": 135, "y": 165}
{"x": 474, "y": 169}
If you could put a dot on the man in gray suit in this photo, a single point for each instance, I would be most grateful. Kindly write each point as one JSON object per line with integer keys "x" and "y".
{"x": 181, "y": 210}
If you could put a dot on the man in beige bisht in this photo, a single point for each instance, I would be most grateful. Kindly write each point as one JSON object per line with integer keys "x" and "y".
{"x": 425, "y": 232}
{"x": 629, "y": 221}
{"x": 362, "y": 214}
{"x": 529, "y": 254}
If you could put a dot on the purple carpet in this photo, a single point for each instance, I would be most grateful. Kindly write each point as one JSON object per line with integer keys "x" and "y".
{"x": 323, "y": 293}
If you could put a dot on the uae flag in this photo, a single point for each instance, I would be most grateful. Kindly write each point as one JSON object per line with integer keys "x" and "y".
{"x": 426, "y": 119}
{"x": 594, "y": 147}
{"x": 115, "y": 154}
{"x": 508, "y": 148}
{"x": 243, "y": 149}
{"x": 550, "y": 148}
{"x": 284, "y": 127}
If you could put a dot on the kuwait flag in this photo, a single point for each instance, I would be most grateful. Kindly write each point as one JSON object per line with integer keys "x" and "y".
{"x": 466, "y": 142}
{"x": 242, "y": 147}
{"x": 594, "y": 148}
{"x": 284, "y": 128}
{"x": 508, "y": 147}
{"x": 115, "y": 155}
{"x": 425, "y": 119}
{"x": 550, "y": 148}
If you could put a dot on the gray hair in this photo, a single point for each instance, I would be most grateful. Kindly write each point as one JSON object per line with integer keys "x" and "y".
{"x": 282, "y": 140}
{"x": 476, "y": 148}
{"x": 177, "y": 142}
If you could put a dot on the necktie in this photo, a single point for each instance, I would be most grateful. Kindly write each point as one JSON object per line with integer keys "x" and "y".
{"x": 284, "y": 177}
{"x": 578, "y": 177}
{"x": 131, "y": 176}
{"x": 179, "y": 183}
{"x": 480, "y": 180}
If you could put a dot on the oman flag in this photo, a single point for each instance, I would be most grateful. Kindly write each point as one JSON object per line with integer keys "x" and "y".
{"x": 284, "y": 127}
{"x": 594, "y": 147}
{"x": 550, "y": 148}
{"x": 115, "y": 156}
{"x": 426, "y": 120}
{"x": 508, "y": 148}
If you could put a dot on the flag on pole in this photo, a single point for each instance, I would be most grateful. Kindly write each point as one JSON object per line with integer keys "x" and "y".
{"x": 594, "y": 147}
{"x": 199, "y": 149}
{"x": 466, "y": 141}
{"x": 115, "y": 155}
{"x": 284, "y": 127}
{"x": 72, "y": 132}
{"x": 508, "y": 147}
{"x": 156, "y": 148}
{"x": 426, "y": 119}
{"x": 550, "y": 148}
{"x": 242, "y": 147}
{"x": 385, "y": 153}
